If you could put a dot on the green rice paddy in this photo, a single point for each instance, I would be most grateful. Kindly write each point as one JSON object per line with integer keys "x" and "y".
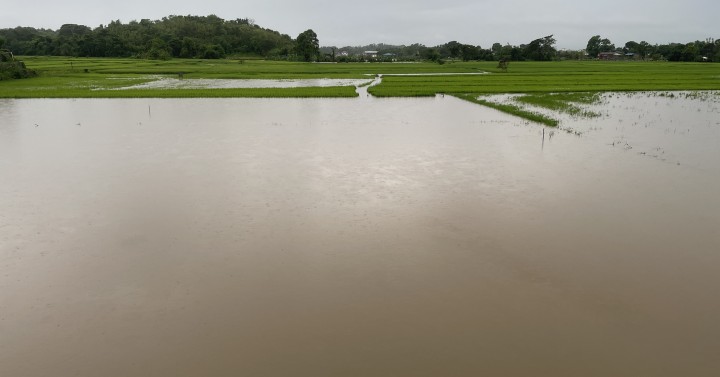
{"x": 563, "y": 102}
{"x": 546, "y": 77}
{"x": 558, "y": 86}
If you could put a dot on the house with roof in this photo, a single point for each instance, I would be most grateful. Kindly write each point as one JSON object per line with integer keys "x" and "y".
{"x": 610, "y": 55}
{"x": 370, "y": 54}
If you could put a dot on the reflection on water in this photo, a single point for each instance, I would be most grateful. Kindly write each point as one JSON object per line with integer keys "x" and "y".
{"x": 172, "y": 83}
{"x": 402, "y": 237}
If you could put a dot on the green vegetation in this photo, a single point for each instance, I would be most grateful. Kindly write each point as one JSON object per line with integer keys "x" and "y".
{"x": 229, "y": 68}
{"x": 698, "y": 51}
{"x": 211, "y": 37}
{"x": 95, "y": 63}
{"x": 596, "y": 45}
{"x": 562, "y": 102}
{"x": 558, "y": 77}
{"x": 10, "y": 68}
{"x": 59, "y": 88}
{"x": 510, "y": 109}
{"x": 557, "y": 86}
{"x": 208, "y": 37}
{"x": 93, "y": 77}
{"x": 307, "y": 46}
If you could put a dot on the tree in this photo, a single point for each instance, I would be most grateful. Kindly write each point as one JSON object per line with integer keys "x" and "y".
{"x": 690, "y": 53}
{"x": 643, "y": 48}
{"x": 454, "y": 49}
{"x": 432, "y": 54}
{"x": 307, "y": 45}
{"x": 596, "y": 45}
{"x": 213, "y": 52}
{"x": 181, "y": 36}
{"x": 496, "y": 50}
{"x": 469, "y": 52}
{"x": 509, "y": 52}
{"x": 503, "y": 64}
{"x": 541, "y": 49}
{"x": 631, "y": 46}
{"x": 73, "y": 30}
{"x": 593, "y": 46}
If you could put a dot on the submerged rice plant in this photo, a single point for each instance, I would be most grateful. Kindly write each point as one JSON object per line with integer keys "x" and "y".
{"x": 563, "y": 102}
{"x": 511, "y": 109}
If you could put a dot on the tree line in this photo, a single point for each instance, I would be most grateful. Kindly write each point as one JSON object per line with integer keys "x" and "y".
{"x": 211, "y": 37}
{"x": 540, "y": 49}
{"x": 698, "y": 51}
{"x": 208, "y": 37}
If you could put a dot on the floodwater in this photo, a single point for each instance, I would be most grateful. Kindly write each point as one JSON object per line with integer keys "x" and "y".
{"x": 174, "y": 83}
{"x": 169, "y": 83}
{"x": 346, "y": 237}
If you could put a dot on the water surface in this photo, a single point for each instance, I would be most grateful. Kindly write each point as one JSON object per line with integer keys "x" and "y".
{"x": 346, "y": 237}
{"x": 166, "y": 83}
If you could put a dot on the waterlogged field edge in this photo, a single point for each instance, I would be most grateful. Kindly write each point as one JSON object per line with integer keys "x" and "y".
{"x": 561, "y": 87}
{"x": 510, "y": 109}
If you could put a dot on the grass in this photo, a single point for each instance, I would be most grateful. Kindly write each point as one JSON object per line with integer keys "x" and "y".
{"x": 230, "y": 69}
{"x": 551, "y": 85}
{"x": 559, "y": 77}
{"x": 61, "y": 77}
{"x": 562, "y": 102}
{"x": 94, "y": 86}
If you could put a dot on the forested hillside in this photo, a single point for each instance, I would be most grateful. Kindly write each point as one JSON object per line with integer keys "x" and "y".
{"x": 211, "y": 37}
{"x": 173, "y": 36}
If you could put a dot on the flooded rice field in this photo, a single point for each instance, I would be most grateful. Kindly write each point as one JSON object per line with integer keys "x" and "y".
{"x": 162, "y": 82}
{"x": 358, "y": 237}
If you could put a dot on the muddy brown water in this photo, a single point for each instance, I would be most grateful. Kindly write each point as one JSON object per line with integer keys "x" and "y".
{"x": 398, "y": 237}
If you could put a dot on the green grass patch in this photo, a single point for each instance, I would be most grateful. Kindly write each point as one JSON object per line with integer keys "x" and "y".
{"x": 61, "y": 77}
{"x": 562, "y": 102}
{"x": 232, "y": 69}
{"x": 561, "y": 77}
{"x": 324, "y": 92}
{"x": 82, "y": 77}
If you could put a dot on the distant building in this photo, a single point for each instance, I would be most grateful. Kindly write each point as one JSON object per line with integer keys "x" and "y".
{"x": 610, "y": 55}
{"x": 370, "y": 54}
{"x": 389, "y": 57}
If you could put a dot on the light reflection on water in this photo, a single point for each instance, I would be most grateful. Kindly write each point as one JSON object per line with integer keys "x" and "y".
{"x": 302, "y": 237}
{"x": 174, "y": 83}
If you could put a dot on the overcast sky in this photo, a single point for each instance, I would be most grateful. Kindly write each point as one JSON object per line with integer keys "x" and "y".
{"x": 430, "y": 22}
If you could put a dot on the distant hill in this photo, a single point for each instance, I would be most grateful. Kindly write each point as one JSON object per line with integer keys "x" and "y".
{"x": 211, "y": 37}
{"x": 173, "y": 36}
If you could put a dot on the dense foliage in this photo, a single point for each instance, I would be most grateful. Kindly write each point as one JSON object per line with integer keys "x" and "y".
{"x": 67, "y": 77}
{"x": 10, "y": 68}
{"x": 415, "y": 52}
{"x": 174, "y": 36}
{"x": 698, "y": 51}
{"x": 307, "y": 46}
{"x": 540, "y": 49}
{"x": 211, "y": 37}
